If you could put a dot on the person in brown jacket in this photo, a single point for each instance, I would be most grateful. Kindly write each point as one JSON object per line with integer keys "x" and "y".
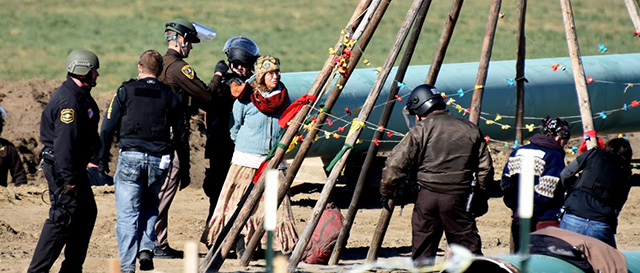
{"x": 447, "y": 155}
{"x": 10, "y": 160}
{"x": 195, "y": 95}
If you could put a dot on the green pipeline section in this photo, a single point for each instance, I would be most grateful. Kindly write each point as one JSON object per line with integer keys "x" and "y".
{"x": 547, "y": 92}
{"x": 540, "y": 263}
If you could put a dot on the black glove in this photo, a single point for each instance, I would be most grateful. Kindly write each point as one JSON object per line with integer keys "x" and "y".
{"x": 222, "y": 67}
{"x": 103, "y": 167}
{"x": 479, "y": 204}
{"x": 385, "y": 202}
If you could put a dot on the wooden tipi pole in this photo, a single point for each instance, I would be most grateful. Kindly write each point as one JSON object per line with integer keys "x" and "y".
{"x": 436, "y": 63}
{"x": 373, "y": 148}
{"x": 521, "y": 45}
{"x": 443, "y": 43}
{"x": 362, "y": 35}
{"x": 633, "y": 13}
{"x": 578, "y": 71}
{"x": 485, "y": 57}
{"x": 215, "y": 257}
{"x": 352, "y": 137}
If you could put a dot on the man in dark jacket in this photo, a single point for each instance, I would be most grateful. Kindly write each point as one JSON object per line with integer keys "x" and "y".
{"x": 149, "y": 121}
{"x": 69, "y": 134}
{"x": 10, "y": 160}
{"x": 597, "y": 196}
{"x": 547, "y": 150}
{"x": 445, "y": 154}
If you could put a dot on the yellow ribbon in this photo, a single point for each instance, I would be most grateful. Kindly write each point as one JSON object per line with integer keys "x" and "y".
{"x": 355, "y": 125}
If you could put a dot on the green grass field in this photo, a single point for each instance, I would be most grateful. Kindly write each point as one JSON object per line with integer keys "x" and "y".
{"x": 37, "y": 35}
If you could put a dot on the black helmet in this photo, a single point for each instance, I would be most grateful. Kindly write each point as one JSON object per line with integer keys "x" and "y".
{"x": 183, "y": 27}
{"x": 423, "y": 99}
{"x": 556, "y": 127}
{"x": 241, "y": 50}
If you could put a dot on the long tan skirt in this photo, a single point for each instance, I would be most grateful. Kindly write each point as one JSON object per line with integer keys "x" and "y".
{"x": 238, "y": 180}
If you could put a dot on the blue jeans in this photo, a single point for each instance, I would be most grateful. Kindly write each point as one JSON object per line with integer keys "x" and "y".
{"x": 138, "y": 180}
{"x": 595, "y": 229}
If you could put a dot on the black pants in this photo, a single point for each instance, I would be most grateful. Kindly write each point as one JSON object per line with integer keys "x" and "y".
{"x": 219, "y": 152}
{"x": 71, "y": 220}
{"x": 435, "y": 213}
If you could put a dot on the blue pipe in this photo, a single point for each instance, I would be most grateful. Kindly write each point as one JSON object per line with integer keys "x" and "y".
{"x": 547, "y": 93}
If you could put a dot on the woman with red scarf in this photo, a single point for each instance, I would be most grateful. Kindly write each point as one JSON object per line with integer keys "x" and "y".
{"x": 254, "y": 129}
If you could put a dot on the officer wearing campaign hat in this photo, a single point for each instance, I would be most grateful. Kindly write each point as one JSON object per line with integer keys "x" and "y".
{"x": 69, "y": 135}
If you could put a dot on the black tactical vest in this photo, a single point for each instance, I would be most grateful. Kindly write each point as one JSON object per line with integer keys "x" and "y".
{"x": 146, "y": 110}
{"x": 603, "y": 177}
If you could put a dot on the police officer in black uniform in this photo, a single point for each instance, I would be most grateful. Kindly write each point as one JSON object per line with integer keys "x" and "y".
{"x": 230, "y": 77}
{"x": 69, "y": 134}
{"x": 149, "y": 120}
{"x": 180, "y": 35}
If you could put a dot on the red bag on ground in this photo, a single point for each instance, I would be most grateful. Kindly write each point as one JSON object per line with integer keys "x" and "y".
{"x": 324, "y": 237}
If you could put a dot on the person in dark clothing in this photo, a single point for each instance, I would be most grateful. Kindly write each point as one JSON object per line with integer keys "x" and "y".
{"x": 10, "y": 161}
{"x": 547, "y": 149}
{"x": 195, "y": 95}
{"x": 150, "y": 126}
{"x": 595, "y": 198}
{"x": 445, "y": 154}
{"x": 69, "y": 134}
{"x": 241, "y": 54}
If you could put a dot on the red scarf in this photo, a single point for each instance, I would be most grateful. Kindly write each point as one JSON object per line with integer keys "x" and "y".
{"x": 271, "y": 105}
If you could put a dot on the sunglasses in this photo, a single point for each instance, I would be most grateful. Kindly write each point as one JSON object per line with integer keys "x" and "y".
{"x": 237, "y": 64}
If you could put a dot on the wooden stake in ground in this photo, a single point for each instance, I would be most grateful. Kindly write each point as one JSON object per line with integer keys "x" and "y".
{"x": 434, "y": 70}
{"x": 373, "y": 148}
{"x": 520, "y": 79}
{"x": 578, "y": 71}
{"x": 485, "y": 57}
{"x": 191, "y": 257}
{"x": 352, "y": 136}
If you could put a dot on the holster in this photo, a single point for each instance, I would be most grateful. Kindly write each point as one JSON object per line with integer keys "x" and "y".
{"x": 46, "y": 157}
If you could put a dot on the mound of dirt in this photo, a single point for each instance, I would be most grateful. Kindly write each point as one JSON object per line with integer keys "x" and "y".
{"x": 24, "y": 102}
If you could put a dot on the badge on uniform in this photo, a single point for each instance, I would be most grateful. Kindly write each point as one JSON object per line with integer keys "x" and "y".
{"x": 187, "y": 70}
{"x": 90, "y": 113}
{"x": 67, "y": 115}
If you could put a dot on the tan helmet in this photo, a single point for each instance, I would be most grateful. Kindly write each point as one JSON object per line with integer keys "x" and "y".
{"x": 81, "y": 61}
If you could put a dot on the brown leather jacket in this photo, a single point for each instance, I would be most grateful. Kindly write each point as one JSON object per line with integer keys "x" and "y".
{"x": 445, "y": 152}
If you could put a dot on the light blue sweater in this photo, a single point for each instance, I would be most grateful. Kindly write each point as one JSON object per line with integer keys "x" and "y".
{"x": 253, "y": 131}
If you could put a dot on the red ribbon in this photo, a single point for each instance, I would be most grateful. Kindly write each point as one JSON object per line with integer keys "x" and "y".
{"x": 590, "y": 134}
{"x": 293, "y": 109}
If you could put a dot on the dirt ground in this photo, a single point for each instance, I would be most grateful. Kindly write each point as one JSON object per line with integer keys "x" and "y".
{"x": 22, "y": 211}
